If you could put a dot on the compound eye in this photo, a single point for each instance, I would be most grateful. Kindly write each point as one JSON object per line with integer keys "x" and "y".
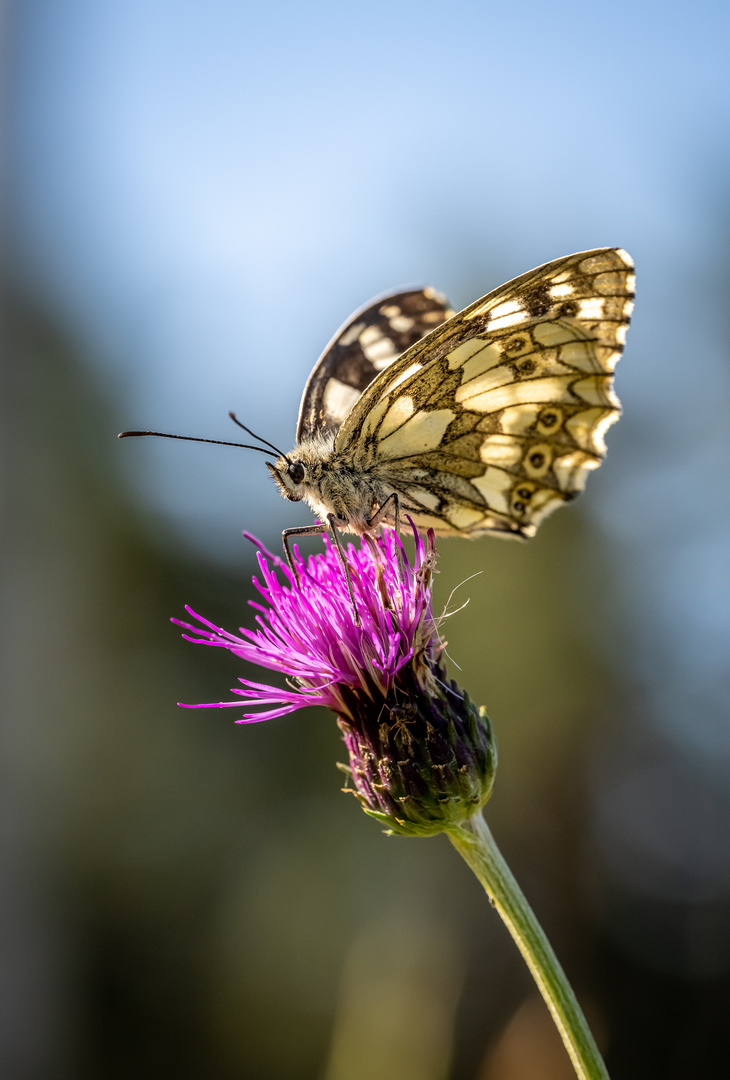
{"x": 296, "y": 472}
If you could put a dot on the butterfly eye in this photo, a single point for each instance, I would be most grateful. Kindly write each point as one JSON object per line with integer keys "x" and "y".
{"x": 297, "y": 472}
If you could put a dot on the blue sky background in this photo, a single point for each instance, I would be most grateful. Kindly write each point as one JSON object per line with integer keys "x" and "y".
{"x": 203, "y": 192}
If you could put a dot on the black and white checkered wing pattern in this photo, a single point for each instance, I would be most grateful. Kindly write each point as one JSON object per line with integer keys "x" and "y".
{"x": 362, "y": 349}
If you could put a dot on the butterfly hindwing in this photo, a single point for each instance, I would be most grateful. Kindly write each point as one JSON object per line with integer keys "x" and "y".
{"x": 369, "y": 342}
{"x": 496, "y": 417}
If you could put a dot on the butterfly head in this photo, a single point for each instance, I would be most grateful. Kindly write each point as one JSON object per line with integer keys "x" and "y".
{"x": 290, "y": 476}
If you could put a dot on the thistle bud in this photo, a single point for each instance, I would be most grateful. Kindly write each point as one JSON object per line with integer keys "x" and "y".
{"x": 423, "y": 764}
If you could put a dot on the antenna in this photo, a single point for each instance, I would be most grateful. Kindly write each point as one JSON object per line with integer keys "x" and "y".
{"x": 218, "y": 442}
{"x": 191, "y": 438}
{"x": 253, "y": 434}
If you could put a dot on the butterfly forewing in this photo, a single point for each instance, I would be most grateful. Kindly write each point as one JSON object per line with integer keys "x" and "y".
{"x": 496, "y": 417}
{"x": 362, "y": 349}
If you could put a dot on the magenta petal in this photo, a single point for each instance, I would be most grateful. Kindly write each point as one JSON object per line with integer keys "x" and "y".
{"x": 309, "y": 633}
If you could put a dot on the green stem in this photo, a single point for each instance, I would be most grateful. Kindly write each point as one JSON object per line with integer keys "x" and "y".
{"x": 475, "y": 844}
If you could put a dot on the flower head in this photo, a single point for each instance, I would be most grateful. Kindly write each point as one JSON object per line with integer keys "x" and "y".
{"x": 421, "y": 754}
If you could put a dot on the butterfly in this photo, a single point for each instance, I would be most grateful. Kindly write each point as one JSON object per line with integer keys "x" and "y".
{"x": 481, "y": 421}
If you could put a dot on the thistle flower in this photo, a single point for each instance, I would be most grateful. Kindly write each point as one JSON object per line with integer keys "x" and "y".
{"x": 421, "y": 755}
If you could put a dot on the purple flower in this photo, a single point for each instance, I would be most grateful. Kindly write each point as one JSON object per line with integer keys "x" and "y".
{"x": 421, "y": 754}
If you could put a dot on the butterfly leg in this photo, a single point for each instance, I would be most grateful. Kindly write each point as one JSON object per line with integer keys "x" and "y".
{"x": 333, "y": 522}
{"x": 318, "y": 529}
{"x": 305, "y": 530}
{"x": 378, "y": 517}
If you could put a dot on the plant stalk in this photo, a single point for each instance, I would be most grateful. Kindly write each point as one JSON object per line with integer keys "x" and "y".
{"x": 476, "y": 845}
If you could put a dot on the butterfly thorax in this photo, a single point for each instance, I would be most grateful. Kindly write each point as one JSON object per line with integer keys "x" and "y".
{"x": 331, "y": 482}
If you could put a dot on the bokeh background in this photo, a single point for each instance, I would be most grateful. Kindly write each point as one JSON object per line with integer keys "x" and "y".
{"x": 196, "y": 194}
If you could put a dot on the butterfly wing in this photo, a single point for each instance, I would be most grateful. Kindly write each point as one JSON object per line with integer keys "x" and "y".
{"x": 497, "y": 416}
{"x": 369, "y": 342}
